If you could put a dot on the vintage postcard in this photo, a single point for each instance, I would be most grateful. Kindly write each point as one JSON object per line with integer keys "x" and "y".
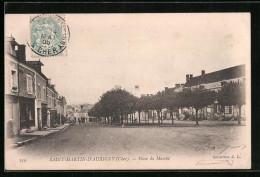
{"x": 127, "y": 91}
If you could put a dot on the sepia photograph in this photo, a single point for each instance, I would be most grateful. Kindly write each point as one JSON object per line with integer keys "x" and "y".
{"x": 127, "y": 91}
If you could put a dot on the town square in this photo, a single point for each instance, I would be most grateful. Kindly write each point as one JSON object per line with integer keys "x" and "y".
{"x": 127, "y": 91}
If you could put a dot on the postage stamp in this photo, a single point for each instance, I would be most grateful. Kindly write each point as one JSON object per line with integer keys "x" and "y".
{"x": 49, "y": 35}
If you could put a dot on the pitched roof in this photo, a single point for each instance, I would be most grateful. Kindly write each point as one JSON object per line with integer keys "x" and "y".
{"x": 225, "y": 74}
{"x": 35, "y": 63}
{"x": 46, "y": 78}
{"x": 51, "y": 87}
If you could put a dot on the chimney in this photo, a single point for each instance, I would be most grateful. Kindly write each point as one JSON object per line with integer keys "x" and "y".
{"x": 53, "y": 86}
{"x": 165, "y": 88}
{"x": 191, "y": 76}
{"x": 36, "y": 64}
{"x": 202, "y": 72}
{"x": 49, "y": 81}
{"x": 177, "y": 85}
{"x": 21, "y": 54}
{"x": 38, "y": 67}
{"x": 9, "y": 45}
{"x": 187, "y": 77}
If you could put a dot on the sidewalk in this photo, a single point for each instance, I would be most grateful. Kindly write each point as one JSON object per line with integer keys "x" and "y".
{"x": 26, "y": 138}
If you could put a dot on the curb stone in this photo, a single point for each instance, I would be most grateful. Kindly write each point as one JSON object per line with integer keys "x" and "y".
{"x": 22, "y": 143}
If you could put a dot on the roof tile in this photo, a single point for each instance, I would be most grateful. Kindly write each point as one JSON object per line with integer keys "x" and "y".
{"x": 225, "y": 74}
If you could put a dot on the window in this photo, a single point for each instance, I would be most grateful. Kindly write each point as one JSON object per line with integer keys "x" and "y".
{"x": 14, "y": 80}
{"x": 39, "y": 91}
{"x": 29, "y": 84}
{"x": 227, "y": 109}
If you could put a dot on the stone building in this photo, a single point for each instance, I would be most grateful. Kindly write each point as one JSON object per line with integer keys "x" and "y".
{"x": 215, "y": 81}
{"x": 41, "y": 94}
{"x": 26, "y": 102}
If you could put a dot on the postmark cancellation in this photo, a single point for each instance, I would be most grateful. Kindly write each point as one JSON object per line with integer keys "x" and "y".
{"x": 49, "y": 35}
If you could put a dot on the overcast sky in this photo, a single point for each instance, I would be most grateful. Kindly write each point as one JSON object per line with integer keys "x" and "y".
{"x": 150, "y": 50}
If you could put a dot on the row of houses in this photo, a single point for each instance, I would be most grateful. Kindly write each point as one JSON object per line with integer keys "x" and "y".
{"x": 31, "y": 101}
{"x": 206, "y": 81}
{"x": 79, "y": 114}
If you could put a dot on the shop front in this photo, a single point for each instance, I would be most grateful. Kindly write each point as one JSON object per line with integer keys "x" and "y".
{"x": 44, "y": 116}
{"x": 54, "y": 118}
{"x": 27, "y": 113}
{"x": 12, "y": 115}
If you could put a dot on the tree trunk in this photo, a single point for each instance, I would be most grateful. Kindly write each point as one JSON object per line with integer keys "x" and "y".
{"x": 148, "y": 116}
{"x": 113, "y": 118}
{"x": 203, "y": 113}
{"x": 139, "y": 116}
{"x": 197, "y": 120}
{"x": 127, "y": 118}
{"x": 177, "y": 113}
{"x": 161, "y": 117}
{"x": 239, "y": 116}
{"x": 172, "y": 116}
{"x": 145, "y": 117}
{"x": 122, "y": 120}
{"x": 224, "y": 111}
{"x": 153, "y": 117}
{"x": 158, "y": 113}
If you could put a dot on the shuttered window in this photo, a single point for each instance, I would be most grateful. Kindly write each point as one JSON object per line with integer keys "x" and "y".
{"x": 14, "y": 81}
{"x": 29, "y": 84}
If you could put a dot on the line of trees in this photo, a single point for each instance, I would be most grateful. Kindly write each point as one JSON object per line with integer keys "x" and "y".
{"x": 117, "y": 104}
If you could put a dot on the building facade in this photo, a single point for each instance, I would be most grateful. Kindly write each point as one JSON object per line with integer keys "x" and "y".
{"x": 215, "y": 81}
{"x": 27, "y": 97}
{"x": 62, "y": 108}
{"x": 12, "y": 109}
{"x": 51, "y": 109}
{"x": 41, "y": 94}
{"x": 26, "y": 102}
